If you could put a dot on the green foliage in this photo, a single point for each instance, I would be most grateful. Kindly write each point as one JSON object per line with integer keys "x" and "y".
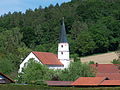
{"x": 116, "y": 61}
{"x": 85, "y": 43}
{"x": 91, "y": 62}
{"x": 6, "y": 65}
{"x": 92, "y": 26}
{"x": 39, "y": 87}
{"x": 75, "y": 57}
{"x": 10, "y": 40}
{"x": 34, "y": 73}
{"x": 76, "y": 70}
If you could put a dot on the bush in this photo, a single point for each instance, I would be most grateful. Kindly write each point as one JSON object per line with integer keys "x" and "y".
{"x": 91, "y": 62}
{"x": 35, "y": 73}
{"x": 76, "y": 70}
{"x": 116, "y": 61}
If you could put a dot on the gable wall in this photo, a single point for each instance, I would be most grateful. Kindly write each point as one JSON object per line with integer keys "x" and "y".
{"x": 55, "y": 67}
{"x": 31, "y": 55}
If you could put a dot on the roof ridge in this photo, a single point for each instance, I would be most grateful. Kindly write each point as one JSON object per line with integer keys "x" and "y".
{"x": 7, "y": 77}
{"x": 43, "y": 52}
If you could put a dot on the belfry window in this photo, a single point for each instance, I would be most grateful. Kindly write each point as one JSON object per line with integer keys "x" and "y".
{"x": 61, "y": 45}
{"x": 61, "y": 52}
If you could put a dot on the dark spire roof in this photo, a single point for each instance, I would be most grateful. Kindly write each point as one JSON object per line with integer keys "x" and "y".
{"x": 63, "y": 37}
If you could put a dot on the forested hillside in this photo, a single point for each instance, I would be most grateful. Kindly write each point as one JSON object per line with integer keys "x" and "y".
{"x": 93, "y": 26}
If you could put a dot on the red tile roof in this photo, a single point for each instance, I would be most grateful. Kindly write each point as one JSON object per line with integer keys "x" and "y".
{"x": 111, "y": 82}
{"x": 106, "y": 68}
{"x": 47, "y": 58}
{"x": 111, "y": 76}
{"x": 88, "y": 81}
{"x": 59, "y": 83}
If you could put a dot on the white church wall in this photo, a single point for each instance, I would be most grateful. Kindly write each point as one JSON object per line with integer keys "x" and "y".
{"x": 63, "y": 47}
{"x": 55, "y": 67}
{"x": 65, "y": 62}
{"x": 63, "y": 51}
{"x": 31, "y": 55}
{"x": 63, "y": 55}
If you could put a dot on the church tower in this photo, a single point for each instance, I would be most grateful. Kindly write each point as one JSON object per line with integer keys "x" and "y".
{"x": 63, "y": 47}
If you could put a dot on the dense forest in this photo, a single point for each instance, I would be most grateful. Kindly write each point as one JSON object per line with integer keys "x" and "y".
{"x": 93, "y": 26}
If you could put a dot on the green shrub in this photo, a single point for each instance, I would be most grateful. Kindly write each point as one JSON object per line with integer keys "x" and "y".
{"x": 35, "y": 73}
{"x": 91, "y": 62}
{"x": 116, "y": 61}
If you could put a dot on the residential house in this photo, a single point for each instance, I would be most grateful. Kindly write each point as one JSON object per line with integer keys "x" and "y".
{"x": 5, "y": 79}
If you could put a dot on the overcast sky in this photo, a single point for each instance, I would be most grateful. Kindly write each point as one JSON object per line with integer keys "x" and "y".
{"x": 22, "y": 5}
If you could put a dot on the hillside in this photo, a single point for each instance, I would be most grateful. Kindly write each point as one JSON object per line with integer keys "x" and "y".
{"x": 93, "y": 26}
{"x": 105, "y": 58}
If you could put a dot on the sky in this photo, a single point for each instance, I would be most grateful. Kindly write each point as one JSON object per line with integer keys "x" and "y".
{"x": 22, "y": 5}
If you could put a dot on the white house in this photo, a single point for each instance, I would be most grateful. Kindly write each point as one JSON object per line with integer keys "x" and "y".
{"x": 53, "y": 61}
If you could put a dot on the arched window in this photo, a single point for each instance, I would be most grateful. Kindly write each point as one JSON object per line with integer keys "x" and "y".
{"x": 61, "y": 45}
{"x": 62, "y": 53}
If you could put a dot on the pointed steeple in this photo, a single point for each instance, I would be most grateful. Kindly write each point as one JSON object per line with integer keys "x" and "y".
{"x": 63, "y": 37}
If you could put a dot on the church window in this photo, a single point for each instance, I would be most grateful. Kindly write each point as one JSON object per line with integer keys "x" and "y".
{"x": 61, "y": 45}
{"x": 61, "y": 52}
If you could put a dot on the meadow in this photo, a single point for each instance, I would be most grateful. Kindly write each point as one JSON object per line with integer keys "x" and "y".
{"x": 37, "y": 87}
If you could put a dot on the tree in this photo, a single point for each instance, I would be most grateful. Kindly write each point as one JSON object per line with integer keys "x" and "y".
{"x": 85, "y": 43}
{"x": 77, "y": 28}
{"x": 100, "y": 35}
{"x": 35, "y": 73}
{"x": 6, "y": 65}
{"x": 10, "y": 40}
{"x": 76, "y": 70}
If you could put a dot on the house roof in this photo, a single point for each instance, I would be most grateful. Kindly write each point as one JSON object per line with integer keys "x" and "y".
{"x": 106, "y": 68}
{"x": 111, "y": 82}
{"x": 111, "y": 76}
{"x": 47, "y": 58}
{"x": 7, "y": 77}
{"x": 59, "y": 83}
{"x": 88, "y": 81}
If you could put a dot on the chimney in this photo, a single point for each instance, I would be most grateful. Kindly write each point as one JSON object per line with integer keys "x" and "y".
{"x": 96, "y": 64}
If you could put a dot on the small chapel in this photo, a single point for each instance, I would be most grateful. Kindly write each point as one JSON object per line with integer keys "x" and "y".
{"x": 52, "y": 61}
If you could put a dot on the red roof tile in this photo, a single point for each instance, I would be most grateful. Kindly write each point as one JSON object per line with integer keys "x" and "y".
{"x": 88, "y": 81}
{"x": 106, "y": 68}
{"x": 47, "y": 58}
{"x": 111, "y": 82}
{"x": 111, "y": 76}
{"x": 59, "y": 83}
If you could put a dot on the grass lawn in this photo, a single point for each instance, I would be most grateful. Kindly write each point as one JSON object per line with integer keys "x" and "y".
{"x": 37, "y": 87}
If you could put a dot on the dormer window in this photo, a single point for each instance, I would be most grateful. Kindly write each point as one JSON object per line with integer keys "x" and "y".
{"x": 62, "y": 46}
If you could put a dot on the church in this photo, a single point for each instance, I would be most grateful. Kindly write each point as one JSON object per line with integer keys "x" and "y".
{"x": 51, "y": 60}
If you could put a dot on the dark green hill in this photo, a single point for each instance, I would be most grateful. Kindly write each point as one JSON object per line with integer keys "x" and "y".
{"x": 93, "y": 26}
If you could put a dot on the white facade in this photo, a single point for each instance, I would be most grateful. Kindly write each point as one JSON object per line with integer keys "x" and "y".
{"x": 55, "y": 67}
{"x": 63, "y": 51}
{"x": 63, "y": 54}
{"x": 30, "y": 56}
